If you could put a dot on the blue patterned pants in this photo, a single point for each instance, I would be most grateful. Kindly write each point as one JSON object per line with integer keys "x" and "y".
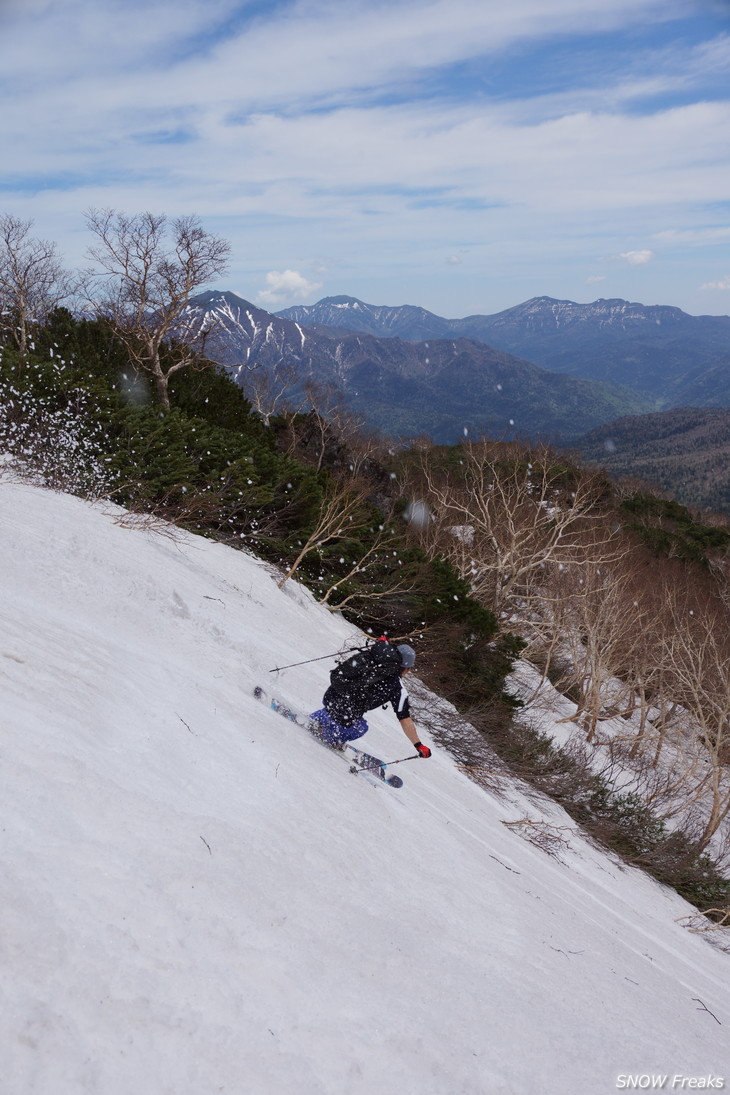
{"x": 334, "y": 734}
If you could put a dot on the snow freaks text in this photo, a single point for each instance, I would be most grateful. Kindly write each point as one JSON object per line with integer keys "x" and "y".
{"x": 673, "y": 1083}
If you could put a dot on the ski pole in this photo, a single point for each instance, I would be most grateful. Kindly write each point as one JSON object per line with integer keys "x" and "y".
{"x": 354, "y": 650}
{"x": 307, "y": 661}
{"x": 387, "y": 763}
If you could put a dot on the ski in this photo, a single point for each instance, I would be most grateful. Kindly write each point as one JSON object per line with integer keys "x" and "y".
{"x": 357, "y": 759}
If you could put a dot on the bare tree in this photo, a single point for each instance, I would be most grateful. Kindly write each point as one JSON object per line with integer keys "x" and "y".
{"x": 270, "y": 391}
{"x": 603, "y": 621}
{"x": 504, "y": 516}
{"x": 660, "y": 716}
{"x": 331, "y": 420}
{"x": 32, "y": 280}
{"x": 341, "y": 513}
{"x": 361, "y": 571}
{"x": 698, "y": 652}
{"x": 150, "y": 267}
{"x": 326, "y": 428}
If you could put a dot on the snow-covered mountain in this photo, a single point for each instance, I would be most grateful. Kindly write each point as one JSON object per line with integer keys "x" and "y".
{"x": 407, "y": 321}
{"x": 243, "y": 335}
{"x": 198, "y": 898}
{"x": 661, "y": 351}
{"x": 439, "y": 386}
{"x": 614, "y": 317}
{"x": 652, "y": 348}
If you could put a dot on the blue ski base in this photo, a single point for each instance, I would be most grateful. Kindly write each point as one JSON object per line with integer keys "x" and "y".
{"x": 359, "y": 761}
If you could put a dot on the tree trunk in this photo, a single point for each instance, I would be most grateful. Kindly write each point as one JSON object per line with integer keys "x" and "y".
{"x": 22, "y": 334}
{"x": 161, "y": 382}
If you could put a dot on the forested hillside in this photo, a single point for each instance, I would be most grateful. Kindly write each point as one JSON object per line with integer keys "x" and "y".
{"x": 685, "y": 452}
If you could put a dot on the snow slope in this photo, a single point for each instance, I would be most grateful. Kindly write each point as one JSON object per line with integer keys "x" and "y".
{"x": 197, "y": 898}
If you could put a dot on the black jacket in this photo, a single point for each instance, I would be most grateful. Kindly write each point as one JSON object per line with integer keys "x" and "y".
{"x": 347, "y": 707}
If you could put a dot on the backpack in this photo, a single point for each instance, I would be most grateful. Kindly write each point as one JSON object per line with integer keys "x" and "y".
{"x": 374, "y": 663}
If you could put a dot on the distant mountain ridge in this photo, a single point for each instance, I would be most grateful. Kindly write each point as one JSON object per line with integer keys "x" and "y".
{"x": 663, "y": 353}
{"x": 439, "y": 386}
{"x": 408, "y": 322}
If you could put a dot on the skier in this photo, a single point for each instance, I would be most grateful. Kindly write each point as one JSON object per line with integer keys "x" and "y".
{"x": 345, "y": 702}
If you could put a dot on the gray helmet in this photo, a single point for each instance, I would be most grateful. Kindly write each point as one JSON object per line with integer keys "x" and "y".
{"x": 407, "y": 656}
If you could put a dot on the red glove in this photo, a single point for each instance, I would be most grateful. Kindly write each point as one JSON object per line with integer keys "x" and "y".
{"x": 422, "y": 750}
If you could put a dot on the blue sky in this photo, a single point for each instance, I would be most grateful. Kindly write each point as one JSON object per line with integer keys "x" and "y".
{"x": 463, "y": 155}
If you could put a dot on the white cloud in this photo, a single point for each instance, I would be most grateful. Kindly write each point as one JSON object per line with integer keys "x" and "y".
{"x": 145, "y": 51}
{"x": 637, "y": 258}
{"x": 286, "y": 285}
{"x": 109, "y": 40}
{"x": 453, "y": 260}
{"x": 723, "y": 283}
{"x": 692, "y": 236}
{"x": 594, "y": 278}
